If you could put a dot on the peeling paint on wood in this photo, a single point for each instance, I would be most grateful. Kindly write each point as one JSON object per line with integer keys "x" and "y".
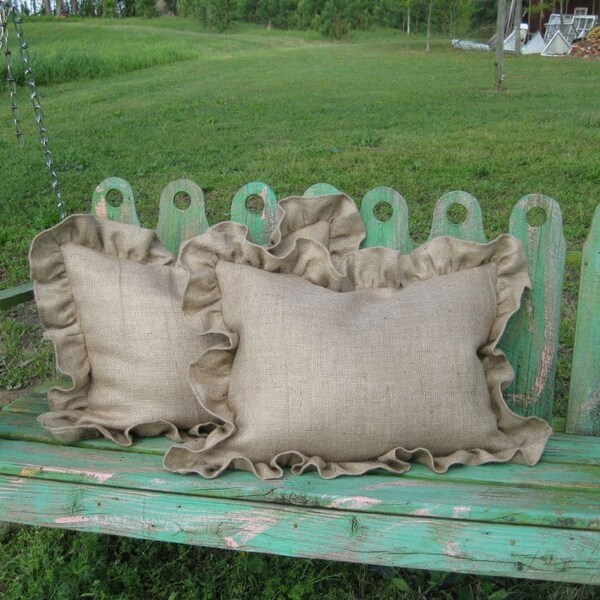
{"x": 254, "y": 221}
{"x": 549, "y": 553}
{"x": 354, "y": 502}
{"x": 125, "y": 212}
{"x": 251, "y": 527}
{"x": 392, "y": 233}
{"x": 584, "y": 399}
{"x": 176, "y": 225}
{"x": 531, "y": 338}
{"x": 34, "y": 471}
{"x": 470, "y": 229}
{"x": 539, "y": 522}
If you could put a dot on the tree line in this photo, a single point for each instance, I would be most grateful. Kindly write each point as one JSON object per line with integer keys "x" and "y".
{"x": 334, "y": 18}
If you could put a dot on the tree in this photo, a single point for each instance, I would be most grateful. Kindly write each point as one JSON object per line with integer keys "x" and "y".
{"x": 429, "y": 12}
{"x": 146, "y": 8}
{"x": 109, "y": 8}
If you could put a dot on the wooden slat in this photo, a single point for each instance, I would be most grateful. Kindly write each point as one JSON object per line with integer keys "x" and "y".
{"x": 567, "y": 457}
{"x": 125, "y": 212}
{"x": 392, "y": 233}
{"x": 176, "y": 225}
{"x": 438, "y": 496}
{"x": 561, "y": 448}
{"x": 321, "y": 189}
{"x": 531, "y": 337}
{"x": 24, "y": 427}
{"x": 259, "y": 224}
{"x": 584, "y": 400}
{"x": 17, "y": 295}
{"x": 470, "y": 229}
{"x": 413, "y": 542}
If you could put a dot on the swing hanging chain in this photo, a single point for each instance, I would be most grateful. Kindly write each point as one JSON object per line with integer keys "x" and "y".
{"x": 5, "y": 11}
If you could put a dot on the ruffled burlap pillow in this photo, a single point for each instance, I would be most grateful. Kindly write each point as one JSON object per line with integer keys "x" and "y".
{"x": 390, "y": 358}
{"x": 109, "y": 296}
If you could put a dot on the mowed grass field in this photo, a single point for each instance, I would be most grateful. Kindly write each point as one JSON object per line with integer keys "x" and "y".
{"x": 152, "y": 101}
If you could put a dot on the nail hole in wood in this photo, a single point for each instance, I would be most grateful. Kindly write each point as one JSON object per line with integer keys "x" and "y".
{"x": 114, "y": 198}
{"x": 182, "y": 200}
{"x": 536, "y": 216}
{"x": 255, "y": 204}
{"x": 383, "y": 211}
{"x": 457, "y": 213}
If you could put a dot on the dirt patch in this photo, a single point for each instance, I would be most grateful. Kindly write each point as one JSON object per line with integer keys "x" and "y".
{"x": 6, "y": 396}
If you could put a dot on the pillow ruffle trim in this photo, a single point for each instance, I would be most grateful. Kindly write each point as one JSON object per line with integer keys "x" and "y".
{"x": 209, "y": 375}
{"x": 58, "y": 312}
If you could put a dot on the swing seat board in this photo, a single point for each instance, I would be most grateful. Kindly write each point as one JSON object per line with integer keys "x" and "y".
{"x": 510, "y": 520}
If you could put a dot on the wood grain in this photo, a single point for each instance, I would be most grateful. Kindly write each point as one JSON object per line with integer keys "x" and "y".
{"x": 16, "y": 295}
{"x": 437, "y": 496}
{"x": 549, "y": 553}
{"x": 176, "y": 225}
{"x": 321, "y": 189}
{"x": 584, "y": 399}
{"x": 531, "y": 338}
{"x": 392, "y": 233}
{"x": 260, "y": 224}
{"x": 470, "y": 229}
{"x": 101, "y": 207}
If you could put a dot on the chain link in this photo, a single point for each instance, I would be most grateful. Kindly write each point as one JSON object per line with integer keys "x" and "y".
{"x": 5, "y": 14}
{"x": 6, "y": 10}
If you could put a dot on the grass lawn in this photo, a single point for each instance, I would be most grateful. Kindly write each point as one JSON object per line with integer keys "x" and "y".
{"x": 156, "y": 100}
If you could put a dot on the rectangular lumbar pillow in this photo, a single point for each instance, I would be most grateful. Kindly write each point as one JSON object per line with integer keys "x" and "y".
{"x": 387, "y": 359}
{"x": 109, "y": 296}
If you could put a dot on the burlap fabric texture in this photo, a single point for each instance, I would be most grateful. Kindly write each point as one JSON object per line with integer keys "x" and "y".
{"x": 379, "y": 360}
{"x": 109, "y": 296}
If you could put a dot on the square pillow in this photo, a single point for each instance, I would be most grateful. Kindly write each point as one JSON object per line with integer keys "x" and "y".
{"x": 387, "y": 359}
{"x": 109, "y": 296}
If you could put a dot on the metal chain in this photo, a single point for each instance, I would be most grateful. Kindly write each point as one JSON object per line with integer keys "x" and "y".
{"x": 5, "y": 11}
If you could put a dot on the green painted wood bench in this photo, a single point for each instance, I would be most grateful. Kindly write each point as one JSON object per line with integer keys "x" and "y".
{"x": 538, "y": 522}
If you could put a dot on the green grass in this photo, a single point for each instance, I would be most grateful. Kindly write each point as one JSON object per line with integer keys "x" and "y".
{"x": 42, "y": 564}
{"x": 155, "y": 100}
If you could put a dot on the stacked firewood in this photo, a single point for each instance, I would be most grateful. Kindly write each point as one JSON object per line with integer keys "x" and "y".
{"x": 588, "y": 47}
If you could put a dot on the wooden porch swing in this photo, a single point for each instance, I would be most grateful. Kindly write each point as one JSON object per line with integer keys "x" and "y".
{"x": 498, "y": 519}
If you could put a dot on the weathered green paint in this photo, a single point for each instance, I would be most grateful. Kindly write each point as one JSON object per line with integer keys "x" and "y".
{"x": 470, "y": 229}
{"x": 550, "y": 553}
{"x": 125, "y": 212}
{"x": 321, "y": 189}
{"x": 176, "y": 225}
{"x": 433, "y": 497}
{"x": 259, "y": 224}
{"x": 392, "y": 233}
{"x": 15, "y": 296}
{"x": 568, "y": 460}
{"x": 24, "y": 427}
{"x": 18, "y": 422}
{"x": 473, "y": 519}
{"x": 531, "y": 338}
{"x": 584, "y": 400}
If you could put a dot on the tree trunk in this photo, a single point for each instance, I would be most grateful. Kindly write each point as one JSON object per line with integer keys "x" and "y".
{"x": 518, "y": 11}
{"x": 59, "y": 8}
{"x": 428, "y": 46}
{"x": 73, "y": 7}
{"x": 47, "y": 8}
{"x": 500, "y": 23}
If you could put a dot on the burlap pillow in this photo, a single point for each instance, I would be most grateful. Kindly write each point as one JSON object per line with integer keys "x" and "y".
{"x": 394, "y": 358}
{"x": 109, "y": 296}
